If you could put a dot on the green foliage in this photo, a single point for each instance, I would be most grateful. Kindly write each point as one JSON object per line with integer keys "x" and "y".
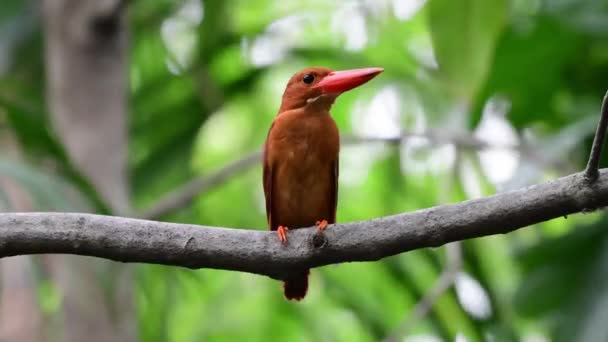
{"x": 205, "y": 84}
{"x": 464, "y": 37}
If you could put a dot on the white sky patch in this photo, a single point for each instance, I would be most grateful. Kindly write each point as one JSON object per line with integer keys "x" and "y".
{"x": 535, "y": 337}
{"x": 357, "y": 160}
{"x": 461, "y": 338}
{"x": 470, "y": 179}
{"x": 280, "y": 36}
{"x": 498, "y": 163}
{"x": 179, "y": 34}
{"x": 266, "y": 51}
{"x": 418, "y": 155}
{"x": 421, "y": 47}
{"x": 414, "y": 117}
{"x": 405, "y": 10}
{"x": 192, "y": 11}
{"x": 349, "y": 22}
{"x": 381, "y": 117}
{"x": 375, "y": 7}
{"x": 472, "y": 296}
{"x": 422, "y": 338}
{"x": 525, "y": 174}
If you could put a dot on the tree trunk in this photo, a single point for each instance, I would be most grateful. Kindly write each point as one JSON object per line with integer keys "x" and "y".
{"x": 86, "y": 65}
{"x": 87, "y": 76}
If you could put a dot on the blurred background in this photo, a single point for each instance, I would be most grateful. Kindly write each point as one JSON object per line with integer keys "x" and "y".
{"x": 156, "y": 109}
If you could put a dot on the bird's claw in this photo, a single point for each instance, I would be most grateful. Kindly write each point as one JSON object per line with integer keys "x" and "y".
{"x": 321, "y": 225}
{"x": 282, "y": 233}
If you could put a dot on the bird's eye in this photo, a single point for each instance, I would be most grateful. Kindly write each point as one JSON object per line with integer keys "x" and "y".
{"x": 308, "y": 78}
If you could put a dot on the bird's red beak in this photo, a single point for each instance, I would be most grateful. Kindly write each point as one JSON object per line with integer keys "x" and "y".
{"x": 340, "y": 81}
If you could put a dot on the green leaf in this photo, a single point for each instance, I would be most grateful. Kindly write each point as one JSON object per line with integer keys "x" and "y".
{"x": 32, "y": 132}
{"x": 565, "y": 283}
{"x": 529, "y": 70}
{"x": 464, "y": 34}
{"x": 46, "y": 191}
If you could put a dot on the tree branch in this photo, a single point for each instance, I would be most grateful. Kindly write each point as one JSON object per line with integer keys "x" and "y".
{"x": 260, "y": 252}
{"x": 591, "y": 172}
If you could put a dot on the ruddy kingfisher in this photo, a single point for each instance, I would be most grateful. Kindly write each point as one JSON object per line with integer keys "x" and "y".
{"x": 301, "y": 157}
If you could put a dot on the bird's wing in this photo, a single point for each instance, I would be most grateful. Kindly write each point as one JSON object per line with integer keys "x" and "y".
{"x": 267, "y": 175}
{"x": 334, "y": 192}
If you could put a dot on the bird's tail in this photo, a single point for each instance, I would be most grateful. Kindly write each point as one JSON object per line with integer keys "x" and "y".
{"x": 295, "y": 285}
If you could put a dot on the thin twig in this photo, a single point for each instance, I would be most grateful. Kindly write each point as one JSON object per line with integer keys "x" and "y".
{"x": 591, "y": 172}
{"x": 448, "y": 275}
{"x": 433, "y": 136}
{"x": 444, "y": 282}
{"x": 182, "y": 196}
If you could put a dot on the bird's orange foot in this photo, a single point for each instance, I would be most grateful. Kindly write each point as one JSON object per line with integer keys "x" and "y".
{"x": 282, "y": 233}
{"x": 321, "y": 225}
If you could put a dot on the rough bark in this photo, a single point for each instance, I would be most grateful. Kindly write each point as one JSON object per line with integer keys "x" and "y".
{"x": 260, "y": 252}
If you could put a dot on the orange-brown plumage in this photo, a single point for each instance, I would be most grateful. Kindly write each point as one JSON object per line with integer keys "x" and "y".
{"x": 301, "y": 157}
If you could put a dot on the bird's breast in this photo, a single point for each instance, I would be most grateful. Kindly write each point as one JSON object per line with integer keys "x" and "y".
{"x": 303, "y": 158}
{"x": 306, "y": 140}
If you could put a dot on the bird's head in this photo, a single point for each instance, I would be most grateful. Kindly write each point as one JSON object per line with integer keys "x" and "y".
{"x": 320, "y": 86}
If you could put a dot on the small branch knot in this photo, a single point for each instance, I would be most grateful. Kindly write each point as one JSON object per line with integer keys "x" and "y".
{"x": 106, "y": 26}
{"x": 188, "y": 244}
{"x": 106, "y": 16}
{"x": 591, "y": 172}
{"x": 591, "y": 175}
{"x": 319, "y": 240}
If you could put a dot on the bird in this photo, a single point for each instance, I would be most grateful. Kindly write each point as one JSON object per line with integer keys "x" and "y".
{"x": 300, "y": 160}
